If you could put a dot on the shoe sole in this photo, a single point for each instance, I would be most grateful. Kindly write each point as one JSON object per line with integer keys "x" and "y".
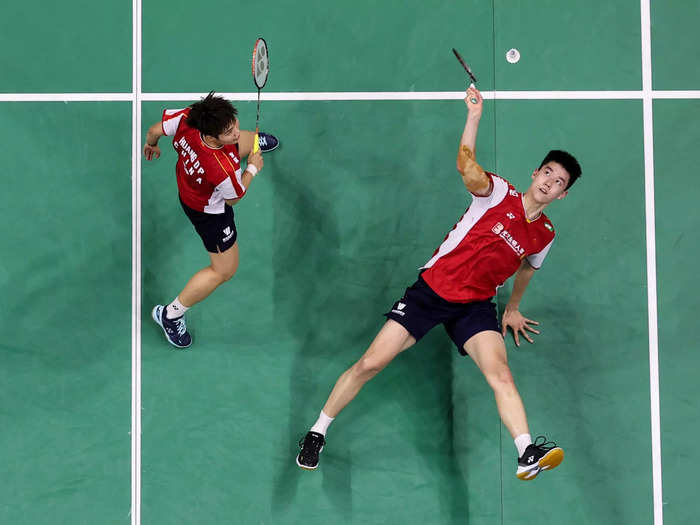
{"x": 159, "y": 323}
{"x": 304, "y": 466}
{"x": 550, "y": 460}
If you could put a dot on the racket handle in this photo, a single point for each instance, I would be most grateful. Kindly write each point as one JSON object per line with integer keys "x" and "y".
{"x": 256, "y": 142}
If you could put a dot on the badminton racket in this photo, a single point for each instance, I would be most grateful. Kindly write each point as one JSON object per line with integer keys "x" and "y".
{"x": 469, "y": 71}
{"x": 261, "y": 68}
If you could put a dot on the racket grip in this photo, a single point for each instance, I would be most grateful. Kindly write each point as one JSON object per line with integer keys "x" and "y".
{"x": 256, "y": 143}
{"x": 473, "y": 99}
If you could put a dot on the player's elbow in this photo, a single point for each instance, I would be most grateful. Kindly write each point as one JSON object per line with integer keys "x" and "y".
{"x": 232, "y": 202}
{"x": 476, "y": 185}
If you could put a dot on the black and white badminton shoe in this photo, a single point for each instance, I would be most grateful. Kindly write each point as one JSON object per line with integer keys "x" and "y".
{"x": 538, "y": 456}
{"x": 311, "y": 446}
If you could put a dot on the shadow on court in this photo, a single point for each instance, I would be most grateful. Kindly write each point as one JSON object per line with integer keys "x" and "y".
{"x": 401, "y": 424}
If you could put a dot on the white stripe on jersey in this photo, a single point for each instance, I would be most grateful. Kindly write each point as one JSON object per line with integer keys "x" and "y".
{"x": 170, "y": 125}
{"x": 225, "y": 190}
{"x": 239, "y": 179}
{"x": 479, "y": 206}
{"x": 536, "y": 259}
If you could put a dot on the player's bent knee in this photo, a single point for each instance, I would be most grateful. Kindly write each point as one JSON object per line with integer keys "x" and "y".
{"x": 501, "y": 378}
{"x": 368, "y": 367}
{"x": 224, "y": 274}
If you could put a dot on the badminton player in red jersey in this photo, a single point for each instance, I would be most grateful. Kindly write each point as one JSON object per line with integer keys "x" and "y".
{"x": 503, "y": 232}
{"x": 210, "y": 145}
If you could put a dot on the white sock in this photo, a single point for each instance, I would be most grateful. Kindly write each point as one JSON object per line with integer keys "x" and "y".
{"x": 521, "y": 443}
{"x": 321, "y": 425}
{"x": 176, "y": 309}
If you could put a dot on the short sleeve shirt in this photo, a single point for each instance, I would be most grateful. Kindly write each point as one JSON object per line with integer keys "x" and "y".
{"x": 487, "y": 246}
{"x": 206, "y": 176}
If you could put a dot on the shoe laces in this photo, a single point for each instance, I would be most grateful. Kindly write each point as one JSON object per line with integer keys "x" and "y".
{"x": 544, "y": 445}
{"x": 181, "y": 326}
{"x": 315, "y": 441}
{"x": 262, "y": 140}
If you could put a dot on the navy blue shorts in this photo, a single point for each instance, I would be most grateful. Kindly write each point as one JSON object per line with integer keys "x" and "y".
{"x": 217, "y": 230}
{"x": 420, "y": 309}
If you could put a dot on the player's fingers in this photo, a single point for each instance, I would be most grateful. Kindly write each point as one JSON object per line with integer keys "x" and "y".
{"x": 528, "y": 327}
{"x": 530, "y": 320}
{"x": 504, "y": 330}
{"x": 526, "y": 336}
{"x": 157, "y": 154}
{"x": 517, "y": 339}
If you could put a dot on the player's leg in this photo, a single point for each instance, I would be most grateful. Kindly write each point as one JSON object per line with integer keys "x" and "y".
{"x": 218, "y": 234}
{"x": 223, "y": 266}
{"x": 391, "y": 340}
{"x": 172, "y": 316}
{"x": 488, "y": 351}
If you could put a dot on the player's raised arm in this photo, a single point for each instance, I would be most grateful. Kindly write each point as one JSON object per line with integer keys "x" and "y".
{"x": 474, "y": 177}
{"x": 150, "y": 148}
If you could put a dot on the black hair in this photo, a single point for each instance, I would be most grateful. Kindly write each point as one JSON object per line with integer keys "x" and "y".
{"x": 567, "y": 161}
{"x": 212, "y": 115}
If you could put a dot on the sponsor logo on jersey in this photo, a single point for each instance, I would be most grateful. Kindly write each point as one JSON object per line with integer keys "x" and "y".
{"x": 548, "y": 226}
{"x": 510, "y": 215}
{"x": 504, "y": 234}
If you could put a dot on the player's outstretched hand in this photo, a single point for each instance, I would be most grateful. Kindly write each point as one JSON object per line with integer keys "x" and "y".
{"x": 149, "y": 151}
{"x": 474, "y": 108}
{"x": 519, "y": 324}
{"x": 256, "y": 159}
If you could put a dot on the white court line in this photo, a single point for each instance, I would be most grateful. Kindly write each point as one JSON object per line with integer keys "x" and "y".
{"x": 66, "y": 97}
{"x": 647, "y": 105}
{"x": 403, "y": 95}
{"x": 136, "y": 269}
{"x": 354, "y": 95}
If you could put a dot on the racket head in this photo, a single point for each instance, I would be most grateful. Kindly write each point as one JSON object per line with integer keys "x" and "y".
{"x": 464, "y": 65}
{"x": 260, "y": 63}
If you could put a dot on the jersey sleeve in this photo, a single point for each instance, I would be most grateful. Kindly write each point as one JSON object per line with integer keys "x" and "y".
{"x": 499, "y": 189}
{"x": 536, "y": 259}
{"x": 225, "y": 176}
{"x": 226, "y": 189}
{"x": 171, "y": 120}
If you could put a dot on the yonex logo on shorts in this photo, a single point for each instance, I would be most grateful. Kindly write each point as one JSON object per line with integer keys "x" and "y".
{"x": 399, "y": 306}
{"x": 228, "y": 233}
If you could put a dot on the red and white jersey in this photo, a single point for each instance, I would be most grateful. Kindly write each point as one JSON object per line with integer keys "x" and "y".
{"x": 487, "y": 246}
{"x": 206, "y": 176}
